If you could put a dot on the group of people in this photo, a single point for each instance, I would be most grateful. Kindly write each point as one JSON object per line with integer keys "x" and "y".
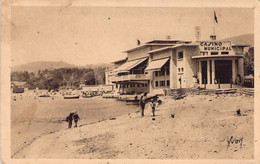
{"x": 73, "y": 116}
{"x": 143, "y": 101}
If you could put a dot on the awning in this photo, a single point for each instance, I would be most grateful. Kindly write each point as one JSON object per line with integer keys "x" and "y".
{"x": 129, "y": 65}
{"x": 156, "y": 64}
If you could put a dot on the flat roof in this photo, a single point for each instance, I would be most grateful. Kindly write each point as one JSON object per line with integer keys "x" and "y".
{"x": 146, "y": 45}
{"x": 120, "y": 60}
{"x": 240, "y": 45}
{"x": 158, "y": 42}
{"x": 169, "y": 43}
{"x": 171, "y": 47}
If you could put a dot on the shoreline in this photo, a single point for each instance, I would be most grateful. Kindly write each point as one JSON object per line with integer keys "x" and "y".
{"x": 34, "y": 118}
{"x": 52, "y": 132}
{"x": 132, "y": 136}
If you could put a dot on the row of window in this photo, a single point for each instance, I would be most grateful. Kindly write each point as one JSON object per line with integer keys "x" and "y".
{"x": 214, "y": 53}
{"x": 162, "y": 83}
{"x": 164, "y": 72}
{"x": 133, "y": 85}
{"x": 181, "y": 69}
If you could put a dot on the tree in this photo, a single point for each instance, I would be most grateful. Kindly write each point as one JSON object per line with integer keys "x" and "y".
{"x": 69, "y": 77}
{"x": 249, "y": 61}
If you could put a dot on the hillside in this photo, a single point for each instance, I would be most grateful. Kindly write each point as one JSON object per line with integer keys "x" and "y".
{"x": 42, "y": 65}
{"x": 247, "y": 39}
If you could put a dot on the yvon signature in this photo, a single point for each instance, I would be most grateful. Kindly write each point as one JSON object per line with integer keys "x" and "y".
{"x": 233, "y": 140}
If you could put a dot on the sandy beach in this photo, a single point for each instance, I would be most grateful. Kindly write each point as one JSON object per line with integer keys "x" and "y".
{"x": 203, "y": 127}
{"x": 33, "y": 117}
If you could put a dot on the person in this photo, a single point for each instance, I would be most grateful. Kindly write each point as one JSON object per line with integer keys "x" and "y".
{"x": 70, "y": 119}
{"x": 142, "y": 103}
{"x": 76, "y": 119}
{"x": 238, "y": 79}
{"x": 153, "y": 105}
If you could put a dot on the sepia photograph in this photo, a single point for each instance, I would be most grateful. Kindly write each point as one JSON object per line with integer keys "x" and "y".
{"x": 131, "y": 82}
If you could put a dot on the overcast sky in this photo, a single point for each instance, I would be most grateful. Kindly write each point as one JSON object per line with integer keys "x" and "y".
{"x": 89, "y": 35}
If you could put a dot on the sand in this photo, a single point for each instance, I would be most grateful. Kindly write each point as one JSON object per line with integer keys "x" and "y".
{"x": 203, "y": 127}
{"x": 33, "y": 117}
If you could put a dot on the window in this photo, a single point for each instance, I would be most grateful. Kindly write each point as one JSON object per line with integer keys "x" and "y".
{"x": 167, "y": 71}
{"x": 145, "y": 85}
{"x": 203, "y": 53}
{"x": 179, "y": 70}
{"x": 168, "y": 83}
{"x": 142, "y": 85}
{"x": 162, "y": 83}
{"x": 214, "y": 53}
{"x": 156, "y": 73}
{"x": 224, "y": 53}
{"x": 182, "y": 69}
{"x": 180, "y": 55}
{"x": 163, "y": 72}
{"x": 138, "y": 85}
{"x": 156, "y": 84}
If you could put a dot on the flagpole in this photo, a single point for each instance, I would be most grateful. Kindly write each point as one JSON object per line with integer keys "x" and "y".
{"x": 214, "y": 24}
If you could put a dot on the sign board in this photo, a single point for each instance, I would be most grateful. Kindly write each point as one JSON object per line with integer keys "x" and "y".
{"x": 215, "y": 46}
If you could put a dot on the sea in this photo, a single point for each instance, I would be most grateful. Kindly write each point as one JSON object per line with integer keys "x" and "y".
{"x": 33, "y": 116}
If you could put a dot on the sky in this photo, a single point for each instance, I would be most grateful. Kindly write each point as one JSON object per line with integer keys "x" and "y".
{"x": 91, "y": 35}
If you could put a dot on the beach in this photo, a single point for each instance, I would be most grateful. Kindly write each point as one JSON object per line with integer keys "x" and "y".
{"x": 33, "y": 116}
{"x": 196, "y": 127}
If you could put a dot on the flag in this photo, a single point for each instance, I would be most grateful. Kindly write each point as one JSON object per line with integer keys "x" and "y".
{"x": 138, "y": 42}
{"x": 215, "y": 17}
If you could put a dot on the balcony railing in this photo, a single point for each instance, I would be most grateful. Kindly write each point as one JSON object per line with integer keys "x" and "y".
{"x": 130, "y": 77}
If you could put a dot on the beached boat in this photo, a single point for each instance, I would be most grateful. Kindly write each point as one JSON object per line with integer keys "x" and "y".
{"x": 71, "y": 97}
{"x": 44, "y": 95}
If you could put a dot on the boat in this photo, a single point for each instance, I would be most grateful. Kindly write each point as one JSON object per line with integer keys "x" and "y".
{"x": 18, "y": 90}
{"x": 87, "y": 95}
{"x": 44, "y": 95}
{"x": 71, "y": 97}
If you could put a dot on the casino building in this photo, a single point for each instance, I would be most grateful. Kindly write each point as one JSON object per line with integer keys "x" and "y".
{"x": 161, "y": 64}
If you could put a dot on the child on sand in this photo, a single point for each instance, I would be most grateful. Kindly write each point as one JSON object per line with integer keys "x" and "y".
{"x": 153, "y": 105}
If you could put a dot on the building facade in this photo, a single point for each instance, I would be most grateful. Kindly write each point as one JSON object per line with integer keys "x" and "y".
{"x": 161, "y": 64}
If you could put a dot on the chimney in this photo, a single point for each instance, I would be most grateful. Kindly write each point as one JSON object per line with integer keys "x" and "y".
{"x": 213, "y": 37}
{"x": 197, "y": 32}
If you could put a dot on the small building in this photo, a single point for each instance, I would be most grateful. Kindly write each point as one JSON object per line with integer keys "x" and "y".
{"x": 161, "y": 64}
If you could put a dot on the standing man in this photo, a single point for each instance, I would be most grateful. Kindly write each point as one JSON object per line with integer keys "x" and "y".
{"x": 70, "y": 119}
{"x": 142, "y": 103}
{"x": 76, "y": 119}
